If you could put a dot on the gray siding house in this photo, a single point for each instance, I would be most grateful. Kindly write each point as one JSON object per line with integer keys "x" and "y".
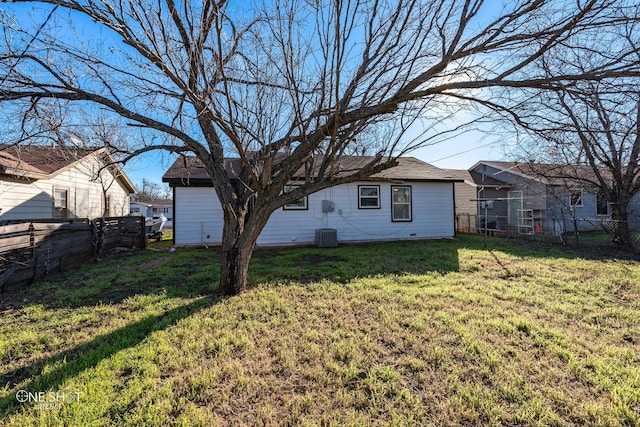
{"x": 535, "y": 200}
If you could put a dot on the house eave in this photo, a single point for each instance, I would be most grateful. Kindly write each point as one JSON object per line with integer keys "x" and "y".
{"x": 188, "y": 182}
{"x": 119, "y": 172}
{"x": 205, "y": 182}
{"x": 512, "y": 171}
{"x": 22, "y": 174}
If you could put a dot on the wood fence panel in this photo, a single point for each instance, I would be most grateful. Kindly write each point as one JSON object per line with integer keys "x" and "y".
{"x": 11, "y": 243}
{"x": 34, "y": 251}
{"x": 120, "y": 232}
{"x": 14, "y": 237}
{"x": 17, "y": 228}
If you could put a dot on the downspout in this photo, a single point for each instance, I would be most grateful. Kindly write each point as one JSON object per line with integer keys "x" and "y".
{"x": 479, "y": 224}
{"x": 173, "y": 238}
{"x": 455, "y": 228}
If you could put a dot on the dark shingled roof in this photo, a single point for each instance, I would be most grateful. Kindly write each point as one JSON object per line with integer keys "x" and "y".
{"x": 10, "y": 164}
{"x": 551, "y": 173}
{"x": 39, "y": 159}
{"x": 190, "y": 170}
{"x": 477, "y": 178}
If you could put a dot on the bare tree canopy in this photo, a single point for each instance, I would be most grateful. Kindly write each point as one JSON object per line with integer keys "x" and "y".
{"x": 149, "y": 191}
{"x": 287, "y": 84}
{"x": 590, "y": 132}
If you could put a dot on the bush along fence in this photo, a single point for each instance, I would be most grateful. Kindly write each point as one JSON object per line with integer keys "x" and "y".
{"x": 32, "y": 251}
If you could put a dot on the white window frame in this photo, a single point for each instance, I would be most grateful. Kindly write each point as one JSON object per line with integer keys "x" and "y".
{"x": 408, "y": 203}
{"x": 361, "y": 197}
{"x": 300, "y": 204}
{"x": 59, "y": 208}
{"x": 82, "y": 201}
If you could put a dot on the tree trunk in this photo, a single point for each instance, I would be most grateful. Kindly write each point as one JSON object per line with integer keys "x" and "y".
{"x": 235, "y": 265}
{"x": 236, "y": 253}
{"x": 576, "y": 231}
{"x": 621, "y": 237}
{"x": 239, "y": 237}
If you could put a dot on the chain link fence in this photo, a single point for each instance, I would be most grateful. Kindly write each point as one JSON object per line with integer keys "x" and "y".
{"x": 599, "y": 232}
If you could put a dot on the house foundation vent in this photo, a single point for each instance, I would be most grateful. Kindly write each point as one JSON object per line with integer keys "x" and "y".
{"x": 326, "y": 237}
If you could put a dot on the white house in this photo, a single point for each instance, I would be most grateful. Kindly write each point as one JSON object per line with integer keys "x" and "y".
{"x": 43, "y": 182}
{"x": 413, "y": 200}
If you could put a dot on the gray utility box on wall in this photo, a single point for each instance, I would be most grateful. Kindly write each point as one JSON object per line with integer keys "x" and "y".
{"x": 328, "y": 206}
{"x": 327, "y": 238}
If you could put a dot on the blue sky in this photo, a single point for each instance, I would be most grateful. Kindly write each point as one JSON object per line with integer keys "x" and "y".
{"x": 460, "y": 152}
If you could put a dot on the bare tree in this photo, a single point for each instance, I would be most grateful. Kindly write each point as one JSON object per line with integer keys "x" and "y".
{"x": 149, "y": 191}
{"x": 590, "y": 132}
{"x": 587, "y": 131}
{"x": 286, "y": 85}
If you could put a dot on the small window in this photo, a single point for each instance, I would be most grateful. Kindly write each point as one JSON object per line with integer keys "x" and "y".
{"x": 368, "y": 197}
{"x": 576, "y": 199}
{"x": 602, "y": 205}
{"x": 60, "y": 204}
{"x": 300, "y": 204}
{"x": 401, "y": 203}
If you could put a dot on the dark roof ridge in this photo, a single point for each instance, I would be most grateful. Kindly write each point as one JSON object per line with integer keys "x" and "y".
{"x": 189, "y": 168}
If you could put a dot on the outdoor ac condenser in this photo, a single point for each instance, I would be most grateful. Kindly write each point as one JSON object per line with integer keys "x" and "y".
{"x": 326, "y": 237}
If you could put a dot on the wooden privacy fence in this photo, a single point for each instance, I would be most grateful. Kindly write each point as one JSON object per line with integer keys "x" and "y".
{"x": 31, "y": 251}
{"x": 111, "y": 233}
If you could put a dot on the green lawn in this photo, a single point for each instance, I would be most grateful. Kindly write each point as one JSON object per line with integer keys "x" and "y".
{"x": 408, "y": 334}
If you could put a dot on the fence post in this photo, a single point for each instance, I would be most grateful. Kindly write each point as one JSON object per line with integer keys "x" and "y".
{"x": 143, "y": 237}
{"x": 99, "y": 230}
{"x": 32, "y": 239}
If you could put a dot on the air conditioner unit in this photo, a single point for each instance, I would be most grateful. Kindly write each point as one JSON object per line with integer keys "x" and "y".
{"x": 326, "y": 237}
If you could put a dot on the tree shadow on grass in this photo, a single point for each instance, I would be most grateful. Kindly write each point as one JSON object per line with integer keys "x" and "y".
{"x": 185, "y": 273}
{"x": 543, "y": 247}
{"x": 88, "y": 355}
{"x": 195, "y": 271}
{"x": 350, "y": 261}
{"x": 416, "y": 257}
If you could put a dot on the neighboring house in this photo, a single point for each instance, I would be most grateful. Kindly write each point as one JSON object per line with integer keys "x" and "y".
{"x": 470, "y": 204}
{"x": 413, "y": 200}
{"x": 140, "y": 207}
{"x": 155, "y": 208}
{"x": 542, "y": 198}
{"x": 43, "y": 182}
